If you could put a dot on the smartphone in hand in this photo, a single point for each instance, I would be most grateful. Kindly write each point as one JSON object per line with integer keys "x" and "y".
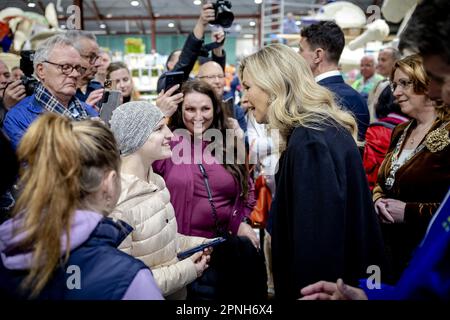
{"x": 110, "y": 101}
{"x": 185, "y": 254}
{"x": 174, "y": 78}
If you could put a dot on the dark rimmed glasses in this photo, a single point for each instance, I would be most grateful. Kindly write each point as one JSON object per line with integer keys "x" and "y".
{"x": 67, "y": 69}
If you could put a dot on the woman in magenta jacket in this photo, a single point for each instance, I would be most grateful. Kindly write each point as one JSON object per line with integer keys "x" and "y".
{"x": 231, "y": 188}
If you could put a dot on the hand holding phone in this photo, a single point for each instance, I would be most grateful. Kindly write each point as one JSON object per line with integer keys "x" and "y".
{"x": 174, "y": 78}
{"x": 110, "y": 101}
{"x": 168, "y": 101}
{"x": 185, "y": 254}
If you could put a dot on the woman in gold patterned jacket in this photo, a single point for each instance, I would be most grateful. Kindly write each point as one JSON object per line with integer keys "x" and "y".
{"x": 415, "y": 174}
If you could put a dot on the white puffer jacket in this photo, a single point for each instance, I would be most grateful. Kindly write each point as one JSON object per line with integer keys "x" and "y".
{"x": 155, "y": 240}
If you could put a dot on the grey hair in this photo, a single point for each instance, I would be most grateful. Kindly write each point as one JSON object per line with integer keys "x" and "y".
{"x": 4, "y": 63}
{"x": 395, "y": 52}
{"x": 45, "y": 48}
{"x": 76, "y": 35}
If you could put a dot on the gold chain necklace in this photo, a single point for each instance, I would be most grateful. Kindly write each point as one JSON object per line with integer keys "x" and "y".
{"x": 412, "y": 140}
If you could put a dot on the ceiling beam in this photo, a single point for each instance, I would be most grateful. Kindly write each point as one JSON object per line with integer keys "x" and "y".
{"x": 98, "y": 15}
{"x": 41, "y": 5}
{"x": 141, "y": 26}
{"x": 79, "y": 4}
{"x": 151, "y": 14}
{"x": 174, "y": 17}
{"x": 149, "y": 7}
{"x": 171, "y": 33}
{"x": 178, "y": 27}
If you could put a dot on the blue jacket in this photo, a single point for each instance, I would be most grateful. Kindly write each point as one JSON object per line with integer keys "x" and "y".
{"x": 351, "y": 100}
{"x": 92, "y": 85}
{"x": 105, "y": 272}
{"x": 20, "y": 117}
{"x": 428, "y": 274}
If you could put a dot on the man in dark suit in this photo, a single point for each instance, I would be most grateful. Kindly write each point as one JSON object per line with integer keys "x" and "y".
{"x": 321, "y": 45}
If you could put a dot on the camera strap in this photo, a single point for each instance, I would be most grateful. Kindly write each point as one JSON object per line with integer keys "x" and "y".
{"x": 206, "y": 48}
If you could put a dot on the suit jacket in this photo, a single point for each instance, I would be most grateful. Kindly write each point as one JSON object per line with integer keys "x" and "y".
{"x": 324, "y": 223}
{"x": 351, "y": 100}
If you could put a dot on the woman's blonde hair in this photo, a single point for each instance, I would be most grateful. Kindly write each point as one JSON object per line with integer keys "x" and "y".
{"x": 64, "y": 163}
{"x": 295, "y": 99}
{"x": 413, "y": 67}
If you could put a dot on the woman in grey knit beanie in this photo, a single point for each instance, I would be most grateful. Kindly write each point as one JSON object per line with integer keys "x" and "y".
{"x": 132, "y": 124}
{"x": 143, "y": 137}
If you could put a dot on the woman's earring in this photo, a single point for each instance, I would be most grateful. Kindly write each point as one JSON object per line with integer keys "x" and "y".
{"x": 271, "y": 100}
{"x": 108, "y": 202}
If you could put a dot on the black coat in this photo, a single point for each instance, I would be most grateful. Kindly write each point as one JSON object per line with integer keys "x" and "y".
{"x": 324, "y": 224}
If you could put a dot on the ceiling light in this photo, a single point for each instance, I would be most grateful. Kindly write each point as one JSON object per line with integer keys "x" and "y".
{"x": 171, "y": 25}
{"x": 102, "y": 26}
{"x": 258, "y": 1}
{"x": 252, "y": 23}
{"x": 248, "y": 36}
{"x": 197, "y": 2}
{"x": 157, "y": 14}
{"x": 109, "y": 15}
{"x": 31, "y": 4}
{"x": 134, "y": 3}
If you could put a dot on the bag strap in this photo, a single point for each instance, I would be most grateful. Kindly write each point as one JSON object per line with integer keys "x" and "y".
{"x": 219, "y": 230}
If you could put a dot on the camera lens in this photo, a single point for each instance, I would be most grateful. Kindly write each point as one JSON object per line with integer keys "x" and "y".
{"x": 224, "y": 16}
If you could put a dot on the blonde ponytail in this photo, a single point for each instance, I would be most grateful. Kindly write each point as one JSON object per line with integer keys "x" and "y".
{"x": 62, "y": 163}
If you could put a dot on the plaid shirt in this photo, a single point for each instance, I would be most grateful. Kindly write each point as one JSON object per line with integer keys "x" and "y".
{"x": 74, "y": 111}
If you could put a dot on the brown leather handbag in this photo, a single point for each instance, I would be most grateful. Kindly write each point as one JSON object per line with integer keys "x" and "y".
{"x": 260, "y": 213}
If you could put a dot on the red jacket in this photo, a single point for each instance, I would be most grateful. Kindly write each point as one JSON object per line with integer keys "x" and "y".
{"x": 378, "y": 137}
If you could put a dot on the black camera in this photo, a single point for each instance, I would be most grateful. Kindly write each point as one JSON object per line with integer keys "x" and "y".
{"x": 26, "y": 65}
{"x": 223, "y": 14}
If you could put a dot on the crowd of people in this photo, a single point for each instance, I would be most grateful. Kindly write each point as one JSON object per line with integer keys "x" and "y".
{"x": 358, "y": 173}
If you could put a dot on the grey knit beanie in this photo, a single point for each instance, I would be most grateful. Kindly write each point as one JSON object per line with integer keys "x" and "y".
{"x": 132, "y": 123}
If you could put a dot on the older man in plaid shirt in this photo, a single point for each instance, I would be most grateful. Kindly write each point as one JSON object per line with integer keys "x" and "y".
{"x": 57, "y": 66}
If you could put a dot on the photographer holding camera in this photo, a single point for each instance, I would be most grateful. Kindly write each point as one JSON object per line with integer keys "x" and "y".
{"x": 11, "y": 92}
{"x": 57, "y": 66}
{"x": 184, "y": 60}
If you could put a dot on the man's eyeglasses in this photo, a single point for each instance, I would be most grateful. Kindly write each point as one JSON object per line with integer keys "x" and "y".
{"x": 404, "y": 84}
{"x": 67, "y": 69}
{"x": 212, "y": 77}
{"x": 92, "y": 58}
